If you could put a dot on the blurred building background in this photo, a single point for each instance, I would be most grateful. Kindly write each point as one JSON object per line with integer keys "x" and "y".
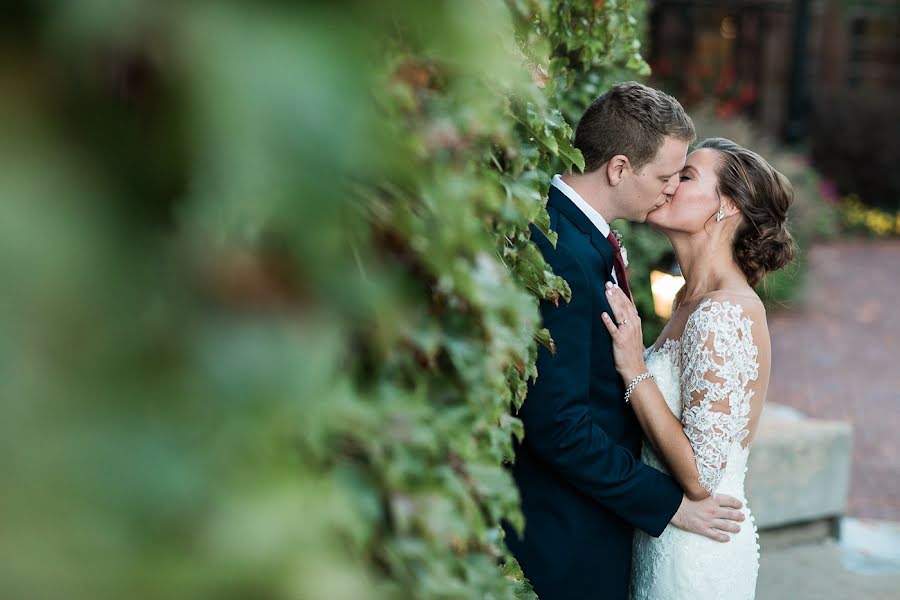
{"x": 822, "y": 73}
{"x": 814, "y": 86}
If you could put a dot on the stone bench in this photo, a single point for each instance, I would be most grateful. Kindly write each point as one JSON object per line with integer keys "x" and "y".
{"x": 798, "y": 475}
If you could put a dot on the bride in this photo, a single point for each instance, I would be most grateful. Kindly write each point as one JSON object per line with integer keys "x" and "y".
{"x": 698, "y": 392}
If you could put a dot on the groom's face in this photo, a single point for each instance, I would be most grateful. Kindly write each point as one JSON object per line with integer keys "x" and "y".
{"x": 657, "y": 181}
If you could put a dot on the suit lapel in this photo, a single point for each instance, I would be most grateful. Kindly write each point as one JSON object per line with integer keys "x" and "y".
{"x": 564, "y": 205}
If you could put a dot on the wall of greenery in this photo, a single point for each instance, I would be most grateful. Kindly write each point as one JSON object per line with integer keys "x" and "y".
{"x": 269, "y": 288}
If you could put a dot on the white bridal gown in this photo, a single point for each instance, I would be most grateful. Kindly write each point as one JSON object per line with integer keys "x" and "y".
{"x": 707, "y": 379}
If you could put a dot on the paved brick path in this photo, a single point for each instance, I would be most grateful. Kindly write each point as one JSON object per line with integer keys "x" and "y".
{"x": 816, "y": 572}
{"x": 838, "y": 357}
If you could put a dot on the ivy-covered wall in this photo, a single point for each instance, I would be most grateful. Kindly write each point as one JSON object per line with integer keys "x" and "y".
{"x": 269, "y": 288}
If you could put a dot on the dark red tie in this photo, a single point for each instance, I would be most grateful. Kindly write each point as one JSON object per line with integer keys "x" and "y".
{"x": 619, "y": 264}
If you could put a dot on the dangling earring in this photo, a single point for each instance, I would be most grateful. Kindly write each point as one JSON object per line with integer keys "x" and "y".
{"x": 720, "y": 215}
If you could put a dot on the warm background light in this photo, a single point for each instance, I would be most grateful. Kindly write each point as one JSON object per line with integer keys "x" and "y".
{"x": 664, "y": 286}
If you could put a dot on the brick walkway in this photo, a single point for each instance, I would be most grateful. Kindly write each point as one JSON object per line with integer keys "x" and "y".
{"x": 838, "y": 357}
{"x": 816, "y": 572}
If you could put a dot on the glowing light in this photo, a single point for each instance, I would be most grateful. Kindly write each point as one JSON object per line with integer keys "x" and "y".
{"x": 664, "y": 287}
{"x": 728, "y": 30}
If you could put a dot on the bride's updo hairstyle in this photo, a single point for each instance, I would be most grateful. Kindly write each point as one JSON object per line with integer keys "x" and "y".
{"x": 762, "y": 242}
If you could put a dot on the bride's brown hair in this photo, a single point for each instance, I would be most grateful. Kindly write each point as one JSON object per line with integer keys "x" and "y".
{"x": 762, "y": 242}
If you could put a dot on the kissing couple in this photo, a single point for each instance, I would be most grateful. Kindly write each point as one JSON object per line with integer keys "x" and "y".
{"x": 631, "y": 471}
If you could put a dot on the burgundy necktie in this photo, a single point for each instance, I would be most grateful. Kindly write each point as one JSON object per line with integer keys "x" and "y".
{"x": 619, "y": 264}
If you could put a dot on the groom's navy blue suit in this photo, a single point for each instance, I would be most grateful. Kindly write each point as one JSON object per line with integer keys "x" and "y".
{"x": 583, "y": 487}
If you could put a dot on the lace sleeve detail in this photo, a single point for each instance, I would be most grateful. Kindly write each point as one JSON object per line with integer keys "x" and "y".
{"x": 719, "y": 364}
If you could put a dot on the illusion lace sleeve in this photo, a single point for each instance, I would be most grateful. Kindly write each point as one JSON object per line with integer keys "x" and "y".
{"x": 719, "y": 368}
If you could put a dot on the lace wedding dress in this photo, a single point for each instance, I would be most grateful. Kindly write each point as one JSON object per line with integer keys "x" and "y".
{"x": 707, "y": 379}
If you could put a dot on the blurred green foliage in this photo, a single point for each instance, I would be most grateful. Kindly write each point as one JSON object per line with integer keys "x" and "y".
{"x": 269, "y": 289}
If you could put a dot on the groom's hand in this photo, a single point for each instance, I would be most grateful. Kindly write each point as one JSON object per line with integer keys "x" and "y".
{"x": 710, "y": 517}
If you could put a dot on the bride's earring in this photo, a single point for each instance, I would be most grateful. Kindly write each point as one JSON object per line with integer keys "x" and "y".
{"x": 720, "y": 215}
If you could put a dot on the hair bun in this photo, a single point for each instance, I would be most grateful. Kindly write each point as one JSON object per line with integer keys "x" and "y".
{"x": 762, "y": 242}
{"x": 770, "y": 250}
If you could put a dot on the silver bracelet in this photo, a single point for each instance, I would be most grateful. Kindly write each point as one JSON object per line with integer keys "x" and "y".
{"x": 634, "y": 382}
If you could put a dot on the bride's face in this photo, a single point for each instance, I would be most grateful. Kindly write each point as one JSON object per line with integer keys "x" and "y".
{"x": 696, "y": 201}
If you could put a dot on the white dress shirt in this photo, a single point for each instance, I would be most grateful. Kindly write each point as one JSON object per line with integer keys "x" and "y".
{"x": 589, "y": 211}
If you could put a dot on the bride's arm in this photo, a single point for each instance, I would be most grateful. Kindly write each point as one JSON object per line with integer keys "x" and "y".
{"x": 724, "y": 367}
{"x": 719, "y": 376}
{"x": 664, "y": 431}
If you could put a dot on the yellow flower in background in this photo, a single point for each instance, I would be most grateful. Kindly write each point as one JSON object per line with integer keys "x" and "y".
{"x": 879, "y": 222}
{"x": 876, "y": 221}
{"x": 853, "y": 202}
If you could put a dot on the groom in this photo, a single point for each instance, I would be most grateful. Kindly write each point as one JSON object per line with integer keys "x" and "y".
{"x": 583, "y": 487}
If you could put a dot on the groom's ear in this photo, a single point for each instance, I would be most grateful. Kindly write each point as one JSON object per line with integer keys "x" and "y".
{"x": 616, "y": 168}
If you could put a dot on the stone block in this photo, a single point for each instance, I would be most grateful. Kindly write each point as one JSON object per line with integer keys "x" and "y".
{"x": 799, "y": 469}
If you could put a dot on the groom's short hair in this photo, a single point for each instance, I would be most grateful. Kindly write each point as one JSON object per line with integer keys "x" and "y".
{"x": 630, "y": 119}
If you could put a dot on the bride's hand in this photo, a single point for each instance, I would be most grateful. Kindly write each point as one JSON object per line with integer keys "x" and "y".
{"x": 625, "y": 329}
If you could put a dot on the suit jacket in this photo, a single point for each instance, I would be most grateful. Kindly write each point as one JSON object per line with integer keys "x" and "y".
{"x": 583, "y": 487}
